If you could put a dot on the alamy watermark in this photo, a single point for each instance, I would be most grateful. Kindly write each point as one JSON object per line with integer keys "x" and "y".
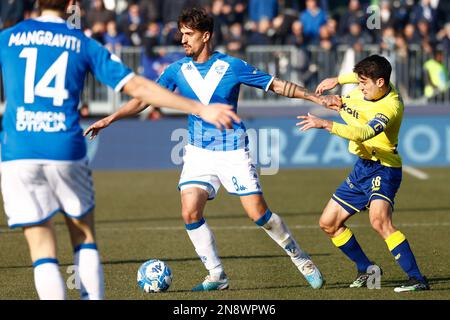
{"x": 374, "y": 17}
{"x": 74, "y": 17}
{"x": 374, "y": 280}
{"x": 73, "y": 281}
{"x": 263, "y": 144}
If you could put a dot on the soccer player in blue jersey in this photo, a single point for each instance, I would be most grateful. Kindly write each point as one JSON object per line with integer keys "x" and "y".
{"x": 213, "y": 158}
{"x": 373, "y": 113}
{"x": 44, "y": 166}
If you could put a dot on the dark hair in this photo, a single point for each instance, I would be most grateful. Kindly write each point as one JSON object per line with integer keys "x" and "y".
{"x": 196, "y": 19}
{"x": 374, "y": 67}
{"x": 59, "y": 5}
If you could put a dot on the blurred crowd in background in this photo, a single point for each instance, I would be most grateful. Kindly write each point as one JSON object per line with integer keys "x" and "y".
{"x": 240, "y": 23}
{"x": 325, "y": 24}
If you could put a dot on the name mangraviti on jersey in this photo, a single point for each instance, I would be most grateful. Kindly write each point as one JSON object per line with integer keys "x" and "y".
{"x": 46, "y": 121}
{"x": 45, "y": 38}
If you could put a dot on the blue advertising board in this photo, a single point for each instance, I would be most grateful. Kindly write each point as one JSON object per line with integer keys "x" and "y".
{"x": 149, "y": 145}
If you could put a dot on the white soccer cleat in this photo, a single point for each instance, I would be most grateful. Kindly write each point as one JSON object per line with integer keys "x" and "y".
{"x": 311, "y": 273}
{"x": 213, "y": 283}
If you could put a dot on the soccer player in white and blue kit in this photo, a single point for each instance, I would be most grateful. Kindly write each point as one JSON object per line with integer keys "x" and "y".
{"x": 44, "y": 168}
{"x": 213, "y": 158}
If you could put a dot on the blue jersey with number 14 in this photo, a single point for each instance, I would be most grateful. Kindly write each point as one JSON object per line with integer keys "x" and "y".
{"x": 44, "y": 64}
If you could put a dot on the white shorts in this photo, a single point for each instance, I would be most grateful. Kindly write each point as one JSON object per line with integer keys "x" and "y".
{"x": 34, "y": 192}
{"x": 207, "y": 169}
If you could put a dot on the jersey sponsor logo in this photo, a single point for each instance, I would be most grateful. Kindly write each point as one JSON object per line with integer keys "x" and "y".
{"x": 204, "y": 88}
{"x": 45, "y": 38}
{"x": 40, "y": 121}
{"x": 350, "y": 111}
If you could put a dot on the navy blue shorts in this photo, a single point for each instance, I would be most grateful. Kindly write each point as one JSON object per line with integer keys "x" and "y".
{"x": 368, "y": 181}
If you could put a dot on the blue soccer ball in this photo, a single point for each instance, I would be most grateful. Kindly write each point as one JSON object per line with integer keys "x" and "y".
{"x": 154, "y": 276}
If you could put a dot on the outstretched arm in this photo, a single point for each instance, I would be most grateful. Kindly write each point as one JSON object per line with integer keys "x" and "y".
{"x": 132, "y": 107}
{"x": 150, "y": 92}
{"x": 147, "y": 92}
{"x": 291, "y": 90}
{"x": 353, "y": 133}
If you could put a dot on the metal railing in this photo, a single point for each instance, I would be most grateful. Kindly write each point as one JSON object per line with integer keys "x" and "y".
{"x": 306, "y": 66}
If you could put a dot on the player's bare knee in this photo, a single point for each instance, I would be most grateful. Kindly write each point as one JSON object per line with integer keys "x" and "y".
{"x": 80, "y": 236}
{"x": 377, "y": 225}
{"x": 382, "y": 226}
{"x": 327, "y": 226}
{"x": 328, "y": 221}
{"x": 256, "y": 213}
{"x": 81, "y": 230}
{"x": 191, "y": 215}
{"x": 255, "y": 206}
{"x": 328, "y": 229}
{"x": 41, "y": 241}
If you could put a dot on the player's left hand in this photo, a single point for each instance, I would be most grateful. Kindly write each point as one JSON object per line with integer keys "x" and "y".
{"x": 95, "y": 128}
{"x": 310, "y": 121}
{"x": 326, "y": 85}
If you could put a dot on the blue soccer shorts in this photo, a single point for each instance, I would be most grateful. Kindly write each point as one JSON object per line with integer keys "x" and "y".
{"x": 368, "y": 181}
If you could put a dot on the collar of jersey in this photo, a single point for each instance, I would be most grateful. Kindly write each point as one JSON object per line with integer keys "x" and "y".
{"x": 384, "y": 96}
{"x": 211, "y": 58}
{"x": 48, "y": 18}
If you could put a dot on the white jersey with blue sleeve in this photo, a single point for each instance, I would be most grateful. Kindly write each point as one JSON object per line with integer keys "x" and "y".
{"x": 217, "y": 80}
{"x": 44, "y": 64}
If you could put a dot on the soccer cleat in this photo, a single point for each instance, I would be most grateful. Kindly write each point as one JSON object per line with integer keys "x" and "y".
{"x": 213, "y": 283}
{"x": 413, "y": 284}
{"x": 361, "y": 280}
{"x": 362, "y": 277}
{"x": 312, "y": 274}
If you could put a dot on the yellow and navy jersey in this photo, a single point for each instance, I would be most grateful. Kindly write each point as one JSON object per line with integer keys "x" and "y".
{"x": 372, "y": 126}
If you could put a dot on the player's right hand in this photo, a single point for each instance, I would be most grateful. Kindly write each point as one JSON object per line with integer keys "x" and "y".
{"x": 309, "y": 122}
{"x": 95, "y": 128}
{"x": 220, "y": 115}
{"x": 327, "y": 84}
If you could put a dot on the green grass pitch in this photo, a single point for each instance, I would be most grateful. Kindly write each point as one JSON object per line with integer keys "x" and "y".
{"x": 138, "y": 218}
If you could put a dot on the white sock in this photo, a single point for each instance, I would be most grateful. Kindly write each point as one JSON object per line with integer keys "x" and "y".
{"x": 274, "y": 226}
{"x": 48, "y": 280}
{"x": 90, "y": 271}
{"x": 205, "y": 245}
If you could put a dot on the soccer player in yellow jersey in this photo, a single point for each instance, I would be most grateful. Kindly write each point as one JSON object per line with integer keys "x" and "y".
{"x": 373, "y": 114}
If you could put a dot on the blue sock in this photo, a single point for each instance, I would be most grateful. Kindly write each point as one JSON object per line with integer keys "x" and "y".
{"x": 347, "y": 243}
{"x": 400, "y": 249}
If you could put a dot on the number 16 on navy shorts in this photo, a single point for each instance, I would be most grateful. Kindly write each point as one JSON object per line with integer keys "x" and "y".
{"x": 368, "y": 181}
